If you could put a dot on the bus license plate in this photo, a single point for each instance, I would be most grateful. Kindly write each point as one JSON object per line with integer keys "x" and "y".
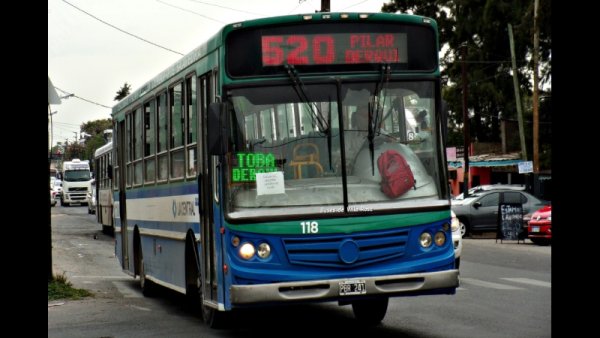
{"x": 535, "y": 229}
{"x": 352, "y": 287}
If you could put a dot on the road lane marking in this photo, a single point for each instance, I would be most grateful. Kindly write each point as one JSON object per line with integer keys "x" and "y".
{"x": 103, "y": 277}
{"x": 529, "y": 281}
{"x": 140, "y": 308}
{"x": 489, "y": 284}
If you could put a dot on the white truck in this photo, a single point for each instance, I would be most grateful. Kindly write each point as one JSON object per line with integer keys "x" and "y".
{"x": 76, "y": 181}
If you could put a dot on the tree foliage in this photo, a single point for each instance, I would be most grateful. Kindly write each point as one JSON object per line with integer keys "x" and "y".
{"x": 94, "y": 139}
{"x": 483, "y": 27}
{"x": 96, "y": 126}
{"x": 123, "y": 92}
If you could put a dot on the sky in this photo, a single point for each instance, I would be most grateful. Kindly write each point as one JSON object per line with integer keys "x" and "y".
{"x": 92, "y": 55}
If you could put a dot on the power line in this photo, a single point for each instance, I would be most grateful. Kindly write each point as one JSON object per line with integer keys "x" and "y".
{"x": 356, "y": 4}
{"x": 119, "y": 29}
{"x": 299, "y": 3}
{"x": 233, "y": 9}
{"x": 188, "y": 10}
{"x": 81, "y": 98}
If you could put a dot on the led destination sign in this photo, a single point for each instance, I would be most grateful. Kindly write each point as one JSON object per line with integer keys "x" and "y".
{"x": 333, "y": 49}
{"x": 330, "y": 47}
{"x": 250, "y": 164}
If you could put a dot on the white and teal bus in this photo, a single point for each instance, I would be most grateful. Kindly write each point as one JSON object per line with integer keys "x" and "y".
{"x": 233, "y": 183}
{"x": 104, "y": 187}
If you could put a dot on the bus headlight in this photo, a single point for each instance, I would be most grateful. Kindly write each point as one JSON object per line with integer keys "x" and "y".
{"x": 264, "y": 250}
{"x": 246, "y": 251}
{"x": 440, "y": 238}
{"x": 425, "y": 240}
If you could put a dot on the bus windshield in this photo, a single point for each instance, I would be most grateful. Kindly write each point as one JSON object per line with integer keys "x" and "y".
{"x": 286, "y": 148}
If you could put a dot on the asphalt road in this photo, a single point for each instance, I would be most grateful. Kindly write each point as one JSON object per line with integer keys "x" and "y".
{"x": 504, "y": 292}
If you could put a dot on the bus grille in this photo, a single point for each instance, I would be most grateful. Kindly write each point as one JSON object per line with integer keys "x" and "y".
{"x": 326, "y": 250}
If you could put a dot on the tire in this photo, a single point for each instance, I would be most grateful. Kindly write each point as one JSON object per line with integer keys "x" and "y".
{"x": 214, "y": 318}
{"x": 465, "y": 229}
{"x": 540, "y": 241}
{"x": 193, "y": 281}
{"x": 370, "y": 311}
{"x": 147, "y": 286}
{"x": 108, "y": 230}
{"x": 457, "y": 263}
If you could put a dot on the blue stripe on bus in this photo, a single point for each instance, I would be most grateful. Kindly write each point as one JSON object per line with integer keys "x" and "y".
{"x": 181, "y": 227}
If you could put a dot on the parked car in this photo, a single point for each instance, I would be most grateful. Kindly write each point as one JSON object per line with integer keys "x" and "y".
{"x": 488, "y": 187}
{"x": 479, "y": 211}
{"x": 526, "y": 218}
{"x": 56, "y": 186}
{"x": 540, "y": 226}
{"x": 52, "y": 198}
{"x": 91, "y": 200}
{"x": 456, "y": 238}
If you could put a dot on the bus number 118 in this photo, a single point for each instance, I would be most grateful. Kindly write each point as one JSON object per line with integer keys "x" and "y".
{"x": 310, "y": 227}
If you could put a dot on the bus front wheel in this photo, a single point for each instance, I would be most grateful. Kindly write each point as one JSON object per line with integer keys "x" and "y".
{"x": 214, "y": 318}
{"x": 370, "y": 311}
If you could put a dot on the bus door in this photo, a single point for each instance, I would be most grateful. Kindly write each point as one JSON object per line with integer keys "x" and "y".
{"x": 122, "y": 202}
{"x": 207, "y": 186}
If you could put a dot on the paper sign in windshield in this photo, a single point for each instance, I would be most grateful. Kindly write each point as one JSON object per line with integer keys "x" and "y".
{"x": 269, "y": 183}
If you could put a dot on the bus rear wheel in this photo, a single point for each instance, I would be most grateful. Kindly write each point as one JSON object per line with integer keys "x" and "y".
{"x": 148, "y": 287}
{"x": 370, "y": 311}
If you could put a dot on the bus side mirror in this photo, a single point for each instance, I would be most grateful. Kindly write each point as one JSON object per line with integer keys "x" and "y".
{"x": 217, "y": 128}
{"x": 109, "y": 171}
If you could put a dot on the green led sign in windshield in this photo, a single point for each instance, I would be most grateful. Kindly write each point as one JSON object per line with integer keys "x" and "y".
{"x": 249, "y": 164}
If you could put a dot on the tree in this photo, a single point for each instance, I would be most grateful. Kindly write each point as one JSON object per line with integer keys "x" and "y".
{"x": 74, "y": 150}
{"x": 95, "y": 139}
{"x": 93, "y": 142}
{"x": 123, "y": 92}
{"x": 96, "y": 126}
{"x": 483, "y": 27}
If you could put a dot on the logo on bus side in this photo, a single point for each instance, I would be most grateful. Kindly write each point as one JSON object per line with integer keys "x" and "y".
{"x": 184, "y": 208}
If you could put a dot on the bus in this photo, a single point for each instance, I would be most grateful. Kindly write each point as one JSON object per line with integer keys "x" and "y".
{"x": 233, "y": 184}
{"x": 104, "y": 187}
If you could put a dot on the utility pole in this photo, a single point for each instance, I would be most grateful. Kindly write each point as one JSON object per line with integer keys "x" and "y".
{"x": 536, "y": 125}
{"x": 466, "y": 129}
{"x": 517, "y": 94}
{"x": 325, "y": 6}
{"x": 50, "y": 269}
{"x": 51, "y": 132}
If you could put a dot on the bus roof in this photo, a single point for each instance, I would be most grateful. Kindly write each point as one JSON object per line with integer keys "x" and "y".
{"x": 217, "y": 40}
{"x": 104, "y": 149}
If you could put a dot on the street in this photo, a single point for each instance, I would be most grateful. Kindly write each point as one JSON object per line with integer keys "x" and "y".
{"x": 505, "y": 292}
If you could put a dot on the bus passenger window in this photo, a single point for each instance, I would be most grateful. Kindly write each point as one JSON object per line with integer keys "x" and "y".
{"x": 177, "y": 164}
{"x": 193, "y": 162}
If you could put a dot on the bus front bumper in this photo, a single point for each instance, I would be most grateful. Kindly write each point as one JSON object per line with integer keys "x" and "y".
{"x": 395, "y": 285}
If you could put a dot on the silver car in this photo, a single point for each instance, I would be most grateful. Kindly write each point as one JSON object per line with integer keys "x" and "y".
{"x": 456, "y": 238}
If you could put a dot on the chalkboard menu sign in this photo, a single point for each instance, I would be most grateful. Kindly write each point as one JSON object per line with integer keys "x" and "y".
{"x": 510, "y": 221}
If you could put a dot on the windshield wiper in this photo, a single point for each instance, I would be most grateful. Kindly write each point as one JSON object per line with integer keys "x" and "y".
{"x": 374, "y": 111}
{"x": 301, "y": 92}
